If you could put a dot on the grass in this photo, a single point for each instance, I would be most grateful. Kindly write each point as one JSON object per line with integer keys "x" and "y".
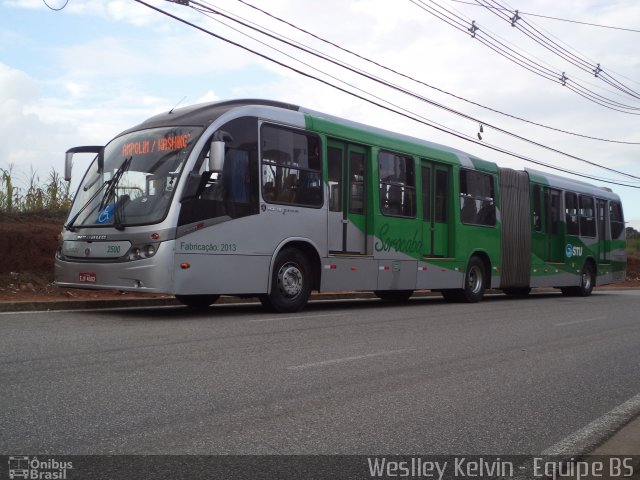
{"x": 50, "y": 197}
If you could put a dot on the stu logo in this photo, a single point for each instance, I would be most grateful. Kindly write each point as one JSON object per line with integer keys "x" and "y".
{"x": 571, "y": 251}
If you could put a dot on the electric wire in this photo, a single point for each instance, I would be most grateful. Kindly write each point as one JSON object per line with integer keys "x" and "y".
{"x": 473, "y": 3}
{"x": 556, "y": 18}
{"x": 582, "y": 80}
{"x": 348, "y": 67}
{"x": 207, "y": 12}
{"x": 421, "y": 82}
{"x": 56, "y": 9}
{"x": 523, "y": 61}
{"x": 543, "y": 40}
{"x": 380, "y": 105}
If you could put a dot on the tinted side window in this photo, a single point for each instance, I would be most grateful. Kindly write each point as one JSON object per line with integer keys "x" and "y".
{"x": 477, "y": 198}
{"x": 291, "y": 166}
{"x": 617, "y": 220}
{"x": 232, "y": 193}
{"x": 397, "y": 185}
{"x": 587, "y": 216}
{"x": 571, "y": 213}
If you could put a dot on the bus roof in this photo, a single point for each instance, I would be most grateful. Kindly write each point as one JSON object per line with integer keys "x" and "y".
{"x": 203, "y": 113}
{"x": 564, "y": 183}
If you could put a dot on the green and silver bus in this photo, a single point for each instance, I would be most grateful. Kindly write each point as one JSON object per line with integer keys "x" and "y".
{"x": 267, "y": 199}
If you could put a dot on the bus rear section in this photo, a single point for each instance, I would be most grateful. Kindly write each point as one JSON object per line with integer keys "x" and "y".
{"x": 566, "y": 234}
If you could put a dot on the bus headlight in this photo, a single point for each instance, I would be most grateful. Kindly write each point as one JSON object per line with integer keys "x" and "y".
{"x": 138, "y": 252}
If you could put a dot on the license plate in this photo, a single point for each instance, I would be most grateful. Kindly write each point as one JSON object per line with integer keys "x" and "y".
{"x": 87, "y": 277}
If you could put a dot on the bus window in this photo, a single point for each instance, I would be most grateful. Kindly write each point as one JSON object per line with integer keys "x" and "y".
{"x": 356, "y": 182}
{"x": 397, "y": 185}
{"x": 426, "y": 194}
{"x": 617, "y": 220}
{"x": 232, "y": 193}
{"x": 571, "y": 213}
{"x": 442, "y": 196}
{"x": 334, "y": 164}
{"x": 291, "y": 167}
{"x": 552, "y": 204}
{"x": 477, "y": 201}
{"x": 587, "y": 217}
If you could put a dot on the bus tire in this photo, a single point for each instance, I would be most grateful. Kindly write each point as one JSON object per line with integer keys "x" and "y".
{"x": 587, "y": 281}
{"x": 197, "y": 301}
{"x": 517, "y": 291}
{"x": 291, "y": 282}
{"x": 475, "y": 281}
{"x": 397, "y": 296}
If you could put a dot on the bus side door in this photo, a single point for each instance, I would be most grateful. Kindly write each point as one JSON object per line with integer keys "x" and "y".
{"x": 435, "y": 209}
{"x": 348, "y": 174}
{"x": 554, "y": 236}
{"x": 601, "y": 217}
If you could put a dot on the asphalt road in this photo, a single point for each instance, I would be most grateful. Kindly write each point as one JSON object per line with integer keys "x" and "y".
{"x": 356, "y": 377}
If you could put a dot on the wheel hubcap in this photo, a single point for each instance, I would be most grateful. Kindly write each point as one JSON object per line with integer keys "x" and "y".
{"x": 290, "y": 280}
{"x": 586, "y": 280}
{"x": 475, "y": 279}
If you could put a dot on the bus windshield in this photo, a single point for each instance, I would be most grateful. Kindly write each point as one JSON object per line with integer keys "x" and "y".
{"x": 133, "y": 182}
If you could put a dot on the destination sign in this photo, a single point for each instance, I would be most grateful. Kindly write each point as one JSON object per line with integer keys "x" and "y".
{"x": 153, "y": 145}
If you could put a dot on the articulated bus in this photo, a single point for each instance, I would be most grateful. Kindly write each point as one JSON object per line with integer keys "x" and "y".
{"x": 262, "y": 198}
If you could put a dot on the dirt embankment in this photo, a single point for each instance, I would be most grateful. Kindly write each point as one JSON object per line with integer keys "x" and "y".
{"x": 27, "y": 249}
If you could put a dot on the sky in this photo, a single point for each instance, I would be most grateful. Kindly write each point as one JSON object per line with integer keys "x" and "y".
{"x": 84, "y": 73}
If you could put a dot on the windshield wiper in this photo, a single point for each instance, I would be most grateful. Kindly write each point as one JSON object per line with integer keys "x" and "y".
{"x": 108, "y": 194}
{"x": 69, "y": 226}
{"x": 117, "y": 219}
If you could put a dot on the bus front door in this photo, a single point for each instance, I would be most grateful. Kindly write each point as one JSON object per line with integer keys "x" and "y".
{"x": 601, "y": 218}
{"x": 347, "y": 168}
{"x": 435, "y": 209}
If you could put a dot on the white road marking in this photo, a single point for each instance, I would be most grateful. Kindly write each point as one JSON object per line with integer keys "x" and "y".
{"x": 350, "y": 359}
{"x": 590, "y": 436}
{"x": 584, "y": 320}
{"x": 273, "y": 319}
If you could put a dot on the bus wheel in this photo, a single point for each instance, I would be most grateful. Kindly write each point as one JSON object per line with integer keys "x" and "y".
{"x": 197, "y": 301}
{"x": 517, "y": 291}
{"x": 474, "y": 281}
{"x": 587, "y": 280}
{"x": 290, "y": 284}
{"x": 394, "y": 295}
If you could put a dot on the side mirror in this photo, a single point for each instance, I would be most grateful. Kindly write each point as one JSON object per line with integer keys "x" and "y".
{"x": 68, "y": 164}
{"x": 68, "y": 157}
{"x": 216, "y": 156}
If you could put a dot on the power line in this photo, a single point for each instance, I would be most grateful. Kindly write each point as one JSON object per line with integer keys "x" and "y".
{"x": 380, "y": 105}
{"x": 530, "y": 30}
{"x": 617, "y": 93}
{"x": 344, "y": 65}
{"x": 54, "y": 8}
{"x": 554, "y": 18}
{"x": 413, "y": 79}
{"x": 488, "y": 39}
